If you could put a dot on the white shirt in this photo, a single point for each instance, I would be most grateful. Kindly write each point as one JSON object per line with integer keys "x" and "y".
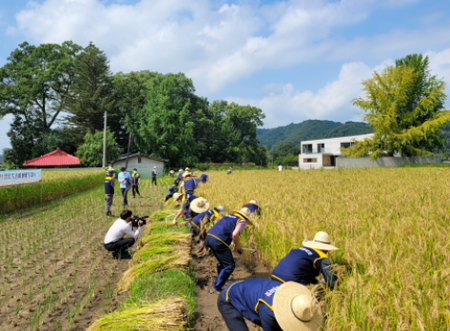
{"x": 119, "y": 229}
{"x": 280, "y": 168}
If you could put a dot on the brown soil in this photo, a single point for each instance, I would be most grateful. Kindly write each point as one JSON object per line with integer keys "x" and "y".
{"x": 209, "y": 318}
{"x": 52, "y": 290}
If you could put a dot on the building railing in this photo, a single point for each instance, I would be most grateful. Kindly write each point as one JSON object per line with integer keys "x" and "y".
{"x": 317, "y": 151}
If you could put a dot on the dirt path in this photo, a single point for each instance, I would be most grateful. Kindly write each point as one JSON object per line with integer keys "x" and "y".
{"x": 209, "y": 318}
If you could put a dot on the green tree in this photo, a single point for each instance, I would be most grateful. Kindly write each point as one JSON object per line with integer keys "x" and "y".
{"x": 405, "y": 118}
{"x": 91, "y": 152}
{"x": 35, "y": 87}
{"x": 92, "y": 90}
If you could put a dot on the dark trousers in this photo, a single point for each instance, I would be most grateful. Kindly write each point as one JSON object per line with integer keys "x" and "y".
{"x": 233, "y": 318}
{"x": 120, "y": 246}
{"x": 225, "y": 265}
{"x": 136, "y": 188}
{"x": 109, "y": 201}
{"x": 154, "y": 181}
{"x": 168, "y": 197}
{"x": 124, "y": 196}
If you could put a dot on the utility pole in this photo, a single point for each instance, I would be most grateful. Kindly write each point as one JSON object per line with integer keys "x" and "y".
{"x": 128, "y": 152}
{"x": 104, "y": 142}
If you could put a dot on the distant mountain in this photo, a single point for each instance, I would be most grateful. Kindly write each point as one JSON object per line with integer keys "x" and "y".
{"x": 308, "y": 130}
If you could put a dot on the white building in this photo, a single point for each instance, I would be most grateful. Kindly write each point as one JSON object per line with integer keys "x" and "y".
{"x": 319, "y": 153}
{"x": 142, "y": 162}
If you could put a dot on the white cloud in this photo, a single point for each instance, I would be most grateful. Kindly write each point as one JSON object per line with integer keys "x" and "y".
{"x": 440, "y": 66}
{"x": 282, "y": 104}
{"x": 214, "y": 47}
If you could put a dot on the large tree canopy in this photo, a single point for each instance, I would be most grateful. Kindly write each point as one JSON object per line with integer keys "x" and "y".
{"x": 404, "y": 106}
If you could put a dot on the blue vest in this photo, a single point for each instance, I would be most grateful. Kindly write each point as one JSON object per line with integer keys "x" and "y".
{"x": 197, "y": 181}
{"x": 189, "y": 197}
{"x": 204, "y": 177}
{"x": 135, "y": 179}
{"x": 223, "y": 229}
{"x": 253, "y": 208}
{"x": 249, "y": 295}
{"x": 109, "y": 186}
{"x": 197, "y": 219}
{"x": 172, "y": 190}
{"x": 153, "y": 173}
{"x": 189, "y": 184}
{"x": 299, "y": 265}
{"x": 180, "y": 174}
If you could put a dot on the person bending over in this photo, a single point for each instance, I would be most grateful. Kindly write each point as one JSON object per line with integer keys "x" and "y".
{"x": 269, "y": 304}
{"x": 186, "y": 200}
{"x": 303, "y": 265}
{"x": 114, "y": 239}
{"x": 172, "y": 190}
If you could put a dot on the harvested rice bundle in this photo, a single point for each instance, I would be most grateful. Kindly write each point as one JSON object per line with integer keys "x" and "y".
{"x": 179, "y": 260}
{"x": 160, "y": 215}
{"x": 150, "y": 252}
{"x": 170, "y": 315}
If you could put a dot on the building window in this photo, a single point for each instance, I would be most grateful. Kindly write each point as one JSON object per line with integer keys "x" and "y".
{"x": 307, "y": 149}
{"x": 347, "y": 145}
{"x": 139, "y": 160}
{"x": 309, "y": 160}
{"x": 320, "y": 148}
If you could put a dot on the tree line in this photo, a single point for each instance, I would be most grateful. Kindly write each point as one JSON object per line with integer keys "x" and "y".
{"x": 58, "y": 94}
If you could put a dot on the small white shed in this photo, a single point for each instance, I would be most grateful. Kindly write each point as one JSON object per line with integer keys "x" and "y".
{"x": 142, "y": 162}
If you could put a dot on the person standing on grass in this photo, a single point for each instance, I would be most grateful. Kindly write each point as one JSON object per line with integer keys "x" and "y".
{"x": 219, "y": 238}
{"x": 172, "y": 190}
{"x": 270, "y": 305}
{"x": 109, "y": 191}
{"x": 125, "y": 185}
{"x": 135, "y": 181}
{"x": 114, "y": 239}
{"x": 154, "y": 174}
{"x": 280, "y": 168}
{"x": 303, "y": 265}
{"x": 171, "y": 172}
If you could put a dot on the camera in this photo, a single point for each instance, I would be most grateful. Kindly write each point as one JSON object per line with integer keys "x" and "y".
{"x": 137, "y": 218}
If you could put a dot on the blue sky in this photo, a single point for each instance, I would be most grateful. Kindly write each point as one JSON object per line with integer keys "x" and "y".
{"x": 295, "y": 59}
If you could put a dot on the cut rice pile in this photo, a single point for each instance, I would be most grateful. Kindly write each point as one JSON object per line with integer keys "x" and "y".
{"x": 168, "y": 315}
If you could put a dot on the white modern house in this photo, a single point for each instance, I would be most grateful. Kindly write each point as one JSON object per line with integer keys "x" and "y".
{"x": 142, "y": 162}
{"x": 319, "y": 153}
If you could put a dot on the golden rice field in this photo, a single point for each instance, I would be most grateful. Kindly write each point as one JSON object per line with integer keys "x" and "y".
{"x": 55, "y": 184}
{"x": 392, "y": 226}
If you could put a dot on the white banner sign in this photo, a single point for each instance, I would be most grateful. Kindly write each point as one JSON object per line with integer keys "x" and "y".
{"x": 20, "y": 177}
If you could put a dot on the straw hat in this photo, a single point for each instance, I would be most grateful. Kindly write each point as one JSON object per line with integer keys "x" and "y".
{"x": 110, "y": 168}
{"x": 187, "y": 169}
{"x": 176, "y": 196}
{"x": 321, "y": 241}
{"x": 186, "y": 174}
{"x": 253, "y": 202}
{"x": 181, "y": 170}
{"x": 245, "y": 213}
{"x": 171, "y": 171}
{"x": 199, "y": 205}
{"x": 154, "y": 167}
{"x": 296, "y": 309}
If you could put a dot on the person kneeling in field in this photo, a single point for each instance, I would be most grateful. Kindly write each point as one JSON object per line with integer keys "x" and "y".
{"x": 114, "y": 239}
{"x": 269, "y": 304}
{"x": 303, "y": 265}
{"x": 219, "y": 237}
{"x": 186, "y": 200}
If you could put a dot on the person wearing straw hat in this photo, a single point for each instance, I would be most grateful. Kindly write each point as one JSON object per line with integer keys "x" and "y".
{"x": 171, "y": 172}
{"x": 109, "y": 191}
{"x": 189, "y": 183}
{"x": 187, "y": 169}
{"x": 204, "y": 218}
{"x": 154, "y": 174}
{"x": 135, "y": 181}
{"x": 186, "y": 200}
{"x": 202, "y": 179}
{"x": 254, "y": 208}
{"x": 266, "y": 303}
{"x": 180, "y": 173}
{"x": 219, "y": 238}
{"x": 198, "y": 206}
{"x": 303, "y": 265}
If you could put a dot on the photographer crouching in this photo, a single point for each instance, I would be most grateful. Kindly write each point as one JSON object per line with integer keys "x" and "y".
{"x": 114, "y": 239}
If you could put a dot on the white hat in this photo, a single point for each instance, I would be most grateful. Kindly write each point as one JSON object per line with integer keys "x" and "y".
{"x": 181, "y": 170}
{"x": 171, "y": 171}
{"x": 199, "y": 205}
{"x": 245, "y": 213}
{"x": 253, "y": 202}
{"x": 321, "y": 241}
{"x": 176, "y": 196}
{"x": 154, "y": 167}
{"x": 296, "y": 309}
{"x": 186, "y": 174}
{"x": 187, "y": 169}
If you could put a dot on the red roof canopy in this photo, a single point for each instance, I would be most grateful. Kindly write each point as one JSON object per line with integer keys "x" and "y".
{"x": 55, "y": 158}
